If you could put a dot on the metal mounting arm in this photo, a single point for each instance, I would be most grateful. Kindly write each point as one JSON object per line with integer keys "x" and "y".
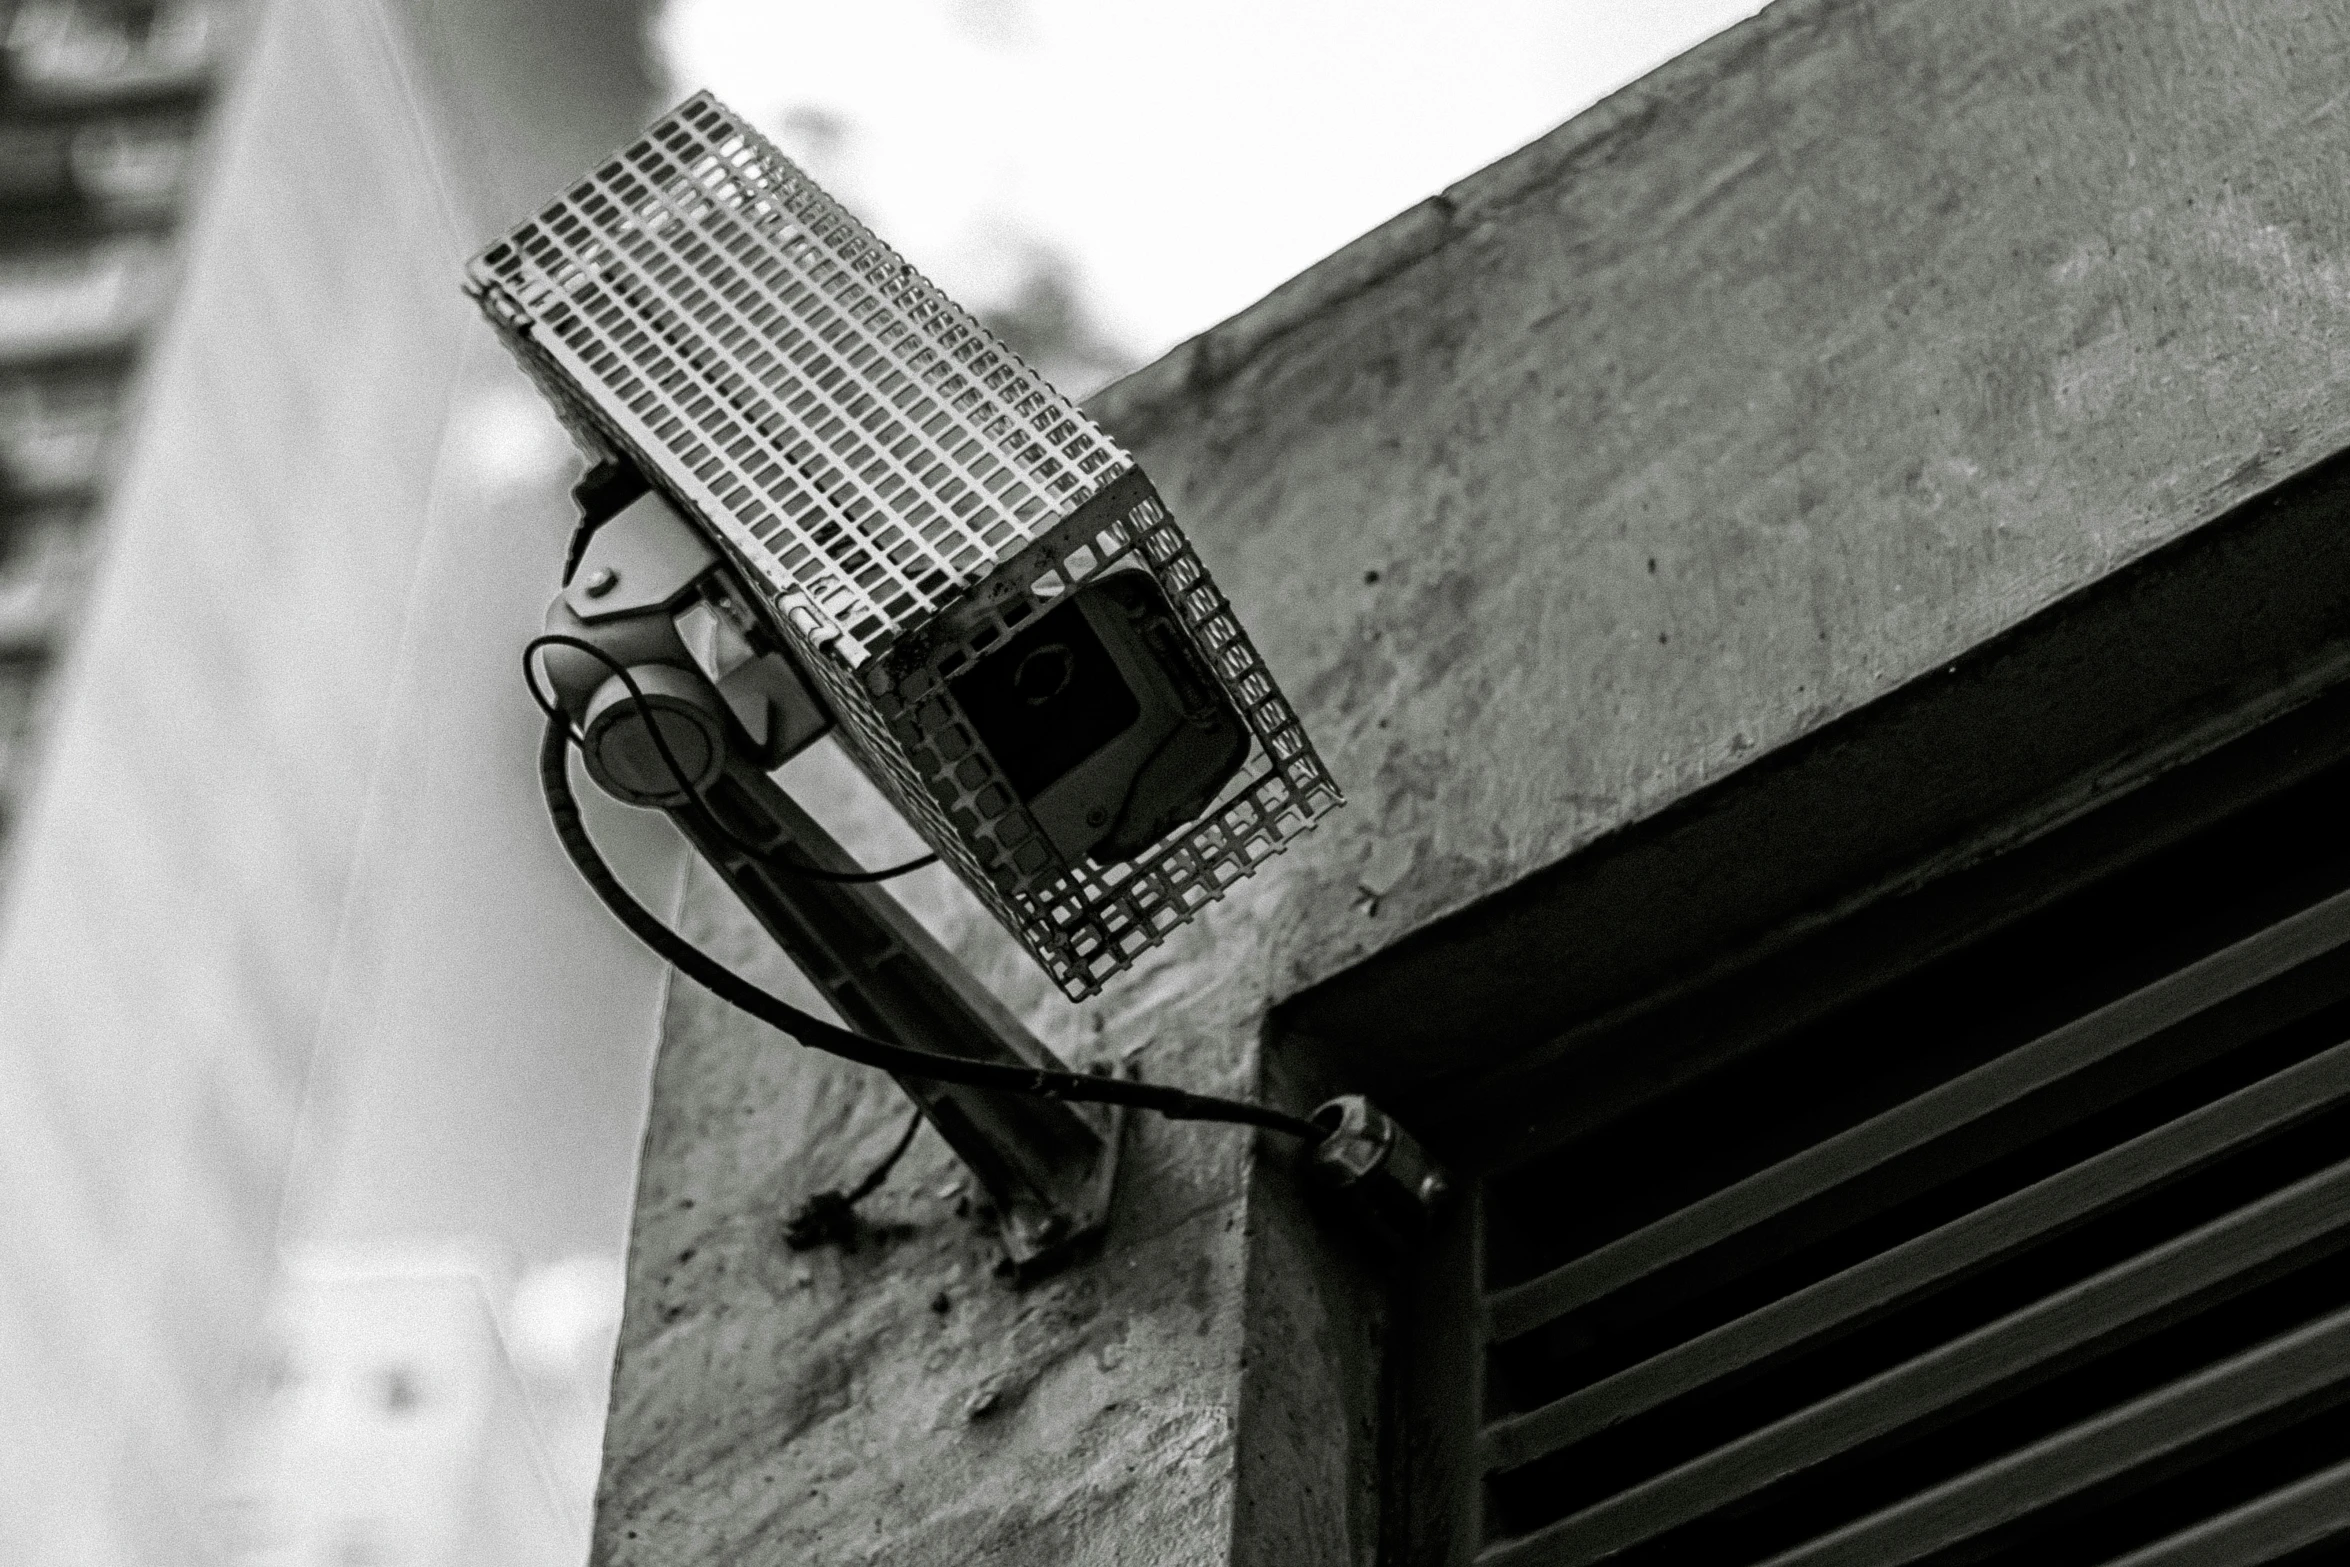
{"x": 1047, "y": 1165}
{"x": 656, "y": 599}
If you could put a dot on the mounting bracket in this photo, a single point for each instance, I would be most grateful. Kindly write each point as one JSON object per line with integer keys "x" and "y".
{"x": 1047, "y": 1165}
{"x": 650, "y": 593}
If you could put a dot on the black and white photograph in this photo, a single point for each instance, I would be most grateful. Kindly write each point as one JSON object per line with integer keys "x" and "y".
{"x": 1233, "y": 783}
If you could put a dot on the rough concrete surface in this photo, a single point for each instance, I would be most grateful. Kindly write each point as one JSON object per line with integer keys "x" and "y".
{"x": 1835, "y": 347}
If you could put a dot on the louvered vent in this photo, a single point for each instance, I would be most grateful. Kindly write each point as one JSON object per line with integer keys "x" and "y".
{"x": 2038, "y": 1256}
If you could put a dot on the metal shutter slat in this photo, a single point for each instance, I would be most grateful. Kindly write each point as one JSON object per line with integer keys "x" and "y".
{"x": 1935, "y": 1260}
{"x": 2313, "y": 1509}
{"x": 2251, "y": 1389}
{"x": 1875, "y": 1164}
{"x": 2228, "y": 1255}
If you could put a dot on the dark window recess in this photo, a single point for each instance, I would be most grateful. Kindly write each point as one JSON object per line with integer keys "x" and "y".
{"x": 2035, "y": 1250}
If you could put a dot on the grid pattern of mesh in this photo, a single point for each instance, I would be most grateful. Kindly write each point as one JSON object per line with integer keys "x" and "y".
{"x": 870, "y": 452}
{"x": 861, "y": 439}
{"x": 1085, "y": 922}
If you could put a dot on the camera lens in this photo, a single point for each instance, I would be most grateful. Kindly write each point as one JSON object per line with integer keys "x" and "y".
{"x": 1047, "y": 699}
{"x": 1044, "y": 673}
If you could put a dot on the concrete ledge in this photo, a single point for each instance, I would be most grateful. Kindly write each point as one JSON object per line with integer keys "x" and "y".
{"x": 1196, "y": 365}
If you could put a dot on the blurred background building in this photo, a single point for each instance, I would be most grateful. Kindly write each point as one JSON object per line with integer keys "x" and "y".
{"x": 321, "y": 1081}
{"x": 244, "y": 826}
{"x": 392, "y": 1424}
{"x": 102, "y": 104}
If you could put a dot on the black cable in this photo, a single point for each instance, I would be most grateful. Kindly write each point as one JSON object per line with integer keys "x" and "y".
{"x": 880, "y": 1172}
{"x": 832, "y": 1215}
{"x": 1174, "y": 1103}
{"x": 645, "y": 715}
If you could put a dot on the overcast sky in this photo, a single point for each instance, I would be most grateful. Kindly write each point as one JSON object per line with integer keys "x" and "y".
{"x": 1186, "y": 158}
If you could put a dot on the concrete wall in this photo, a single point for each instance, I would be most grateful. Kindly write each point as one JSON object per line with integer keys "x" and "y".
{"x": 285, "y": 860}
{"x": 1835, "y": 347}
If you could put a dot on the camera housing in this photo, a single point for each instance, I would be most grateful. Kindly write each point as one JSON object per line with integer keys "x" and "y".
{"x": 1020, "y": 646}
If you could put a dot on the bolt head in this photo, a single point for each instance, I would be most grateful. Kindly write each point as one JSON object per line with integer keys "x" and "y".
{"x": 602, "y": 581}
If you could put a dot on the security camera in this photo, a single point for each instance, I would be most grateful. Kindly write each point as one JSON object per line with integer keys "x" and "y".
{"x": 822, "y": 495}
{"x": 821, "y": 498}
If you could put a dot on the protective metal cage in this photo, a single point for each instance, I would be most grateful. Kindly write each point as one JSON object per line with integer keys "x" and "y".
{"x": 906, "y": 490}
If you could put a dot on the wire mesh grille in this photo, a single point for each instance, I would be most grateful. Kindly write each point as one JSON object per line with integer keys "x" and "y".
{"x": 871, "y": 452}
{"x": 869, "y": 445}
{"x": 1086, "y": 921}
